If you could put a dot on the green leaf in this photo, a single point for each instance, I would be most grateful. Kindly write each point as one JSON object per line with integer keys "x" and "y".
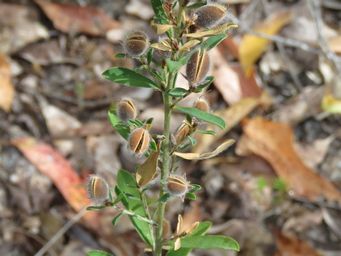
{"x": 160, "y": 13}
{"x": 204, "y": 116}
{"x": 116, "y": 218}
{"x": 195, "y": 188}
{"x": 213, "y": 41}
{"x": 174, "y": 66}
{"x": 191, "y": 196}
{"x": 207, "y": 132}
{"x": 201, "y": 229}
{"x": 153, "y": 145}
{"x": 164, "y": 198}
{"x": 120, "y": 55}
{"x": 208, "y": 81}
{"x": 131, "y": 199}
{"x": 128, "y": 77}
{"x": 210, "y": 242}
{"x": 98, "y": 253}
{"x": 118, "y": 125}
{"x": 178, "y": 92}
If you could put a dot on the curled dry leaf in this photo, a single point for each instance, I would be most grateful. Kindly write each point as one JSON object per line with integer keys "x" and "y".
{"x": 252, "y": 47}
{"x": 203, "y": 156}
{"x": 274, "y": 142}
{"x": 146, "y": 171}
{"x": 212, "y": 32}
{"x": 293, "y": 246}
{"x": 71, "y": 18}
{"x": 6, "y": 86}
{"x": 58, "y": 169}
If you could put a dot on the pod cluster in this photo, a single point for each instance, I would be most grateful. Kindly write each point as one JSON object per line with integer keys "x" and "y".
{"x": 139, "y": 141}
{"x": 136, "y": 43}
{"x": 126, "y": 110}
{"x": 177, "y": 185}
{"x": 209, "y": 16}
{"x": 98, "y": 189}
{"x": 198, "y": 67}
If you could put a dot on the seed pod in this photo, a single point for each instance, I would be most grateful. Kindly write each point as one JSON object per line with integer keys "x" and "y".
{"x": 98, "y": 189}
{"x": 139, "y": 141}
{"x": 182, "y": 132}
{"x": 198, "y": 67}
{"x": 126, "y": 110}
{"x": 177, "y": 185}
{"x": 202, "y": 105}
{"x": 136, "y": 43}
{"x": 209, "y": 15}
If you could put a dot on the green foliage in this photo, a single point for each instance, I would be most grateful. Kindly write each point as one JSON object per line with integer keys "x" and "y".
{"x": 128, "y": 77}
{"x": 178, "y": 92}
{"x": 201, "y": 115}
{"x": 210, "y": 242}
{"x": 160, "y": 14}
{"x": 98, "y": 253}
{"x": 213, "y": 41}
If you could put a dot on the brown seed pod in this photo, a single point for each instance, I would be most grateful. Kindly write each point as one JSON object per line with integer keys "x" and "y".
{"x": 98, "y": 189}
{"x": 182, "y": 132}
{"x": 177, "y": 185}
{"x": 126, "y": 110}
{"x": 202, "y": 105}
{"x": 139, "y": 141}
{"x": 209, "y": 16}
{"x": 198, "y": 67}
{"x": 136, "y": 43}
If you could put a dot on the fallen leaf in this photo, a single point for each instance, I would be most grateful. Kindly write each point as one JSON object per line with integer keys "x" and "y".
{"x": 335, "y": 44}
{"x": 252, "y": 47}
{"x": 231, "y": 81}
{"x": 71, "y": 18}
{"x": 15, "y": 22}
{"x": 290, "y": 245}
{"x": 146, "y": 171}
{"x": 203, "y": 156}
{"x": 6, "y": 86}
{"x": 274, "y": 142}
{"x": 51, "y": 163}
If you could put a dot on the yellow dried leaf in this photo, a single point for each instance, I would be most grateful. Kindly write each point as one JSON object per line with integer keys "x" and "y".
{"x": 162, "y": 46}
{"x": 161, "y": 28}
{"x": 212, "y": 32}
{"x": 146, "y": 171}
{"x": 6, "y": 86}
{"x": 252, "y": 47}
{"x": 188, "y": 45}
{"x": 208, "y": 155}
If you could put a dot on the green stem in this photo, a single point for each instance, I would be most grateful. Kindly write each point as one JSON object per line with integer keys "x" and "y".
{"x": 166, "y": 161}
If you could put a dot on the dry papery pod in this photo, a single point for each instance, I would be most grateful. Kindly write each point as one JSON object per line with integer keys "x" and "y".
{"x": 98, "y": 189}
{"x": 139, "y": 141}
{"x": 198, "y": 67}
{"x": 202, "y": 105}
{"x": 136, "y": 43}
{"x": 126, "y": 110}
{"x": 183, "y": 131}
{"x": 177, "y": 185}
{"x": 209, "y": 15}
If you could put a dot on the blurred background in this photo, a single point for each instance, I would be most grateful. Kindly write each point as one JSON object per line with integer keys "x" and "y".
{"x": 277, "y": 85}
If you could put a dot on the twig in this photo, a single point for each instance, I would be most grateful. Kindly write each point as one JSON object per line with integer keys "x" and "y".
{"x": 61, "y": 232}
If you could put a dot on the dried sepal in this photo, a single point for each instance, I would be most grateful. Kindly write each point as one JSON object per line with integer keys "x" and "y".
{"x": 126, "y": 110}
{"x": 202, "y": 105}
{"x": 139, "y": 141}
{"x": 198, "y": 67}
{"x": 177, "y": 185}
{"x": 209, "y": 16}
{"x": 98, "y": 189}
{"x": 136, "y": 43}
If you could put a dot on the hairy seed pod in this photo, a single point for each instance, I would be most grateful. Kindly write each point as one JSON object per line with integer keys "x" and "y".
{"x": 177, "y": 185}
{"x": 126, "y": 110}
{"x": 136, "y": 43}
{"x": 198, "y": 67}
{"x": 209, "y": 15}
{"x": 202, "y": 105}
{"x": 98, "y": 189}
{"x": 182, "y": 132}
{"x": 139, "y": 141}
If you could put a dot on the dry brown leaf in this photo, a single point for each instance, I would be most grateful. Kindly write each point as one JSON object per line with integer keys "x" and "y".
{"x": 293, "y": 246}
{"x": 231, "y": 81}
{"x": 197, "y": 156}
{"x": 71, "y": 18}
{"x": 335, "y": 44}
{"x": 252, "y": 47}
{"x": 191, "y": 216}
{"x": 274, "y": 142}
{"x": 51, "y": 163}
{"x": 146, "y": 171}
{"x": 6, "y": 86}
